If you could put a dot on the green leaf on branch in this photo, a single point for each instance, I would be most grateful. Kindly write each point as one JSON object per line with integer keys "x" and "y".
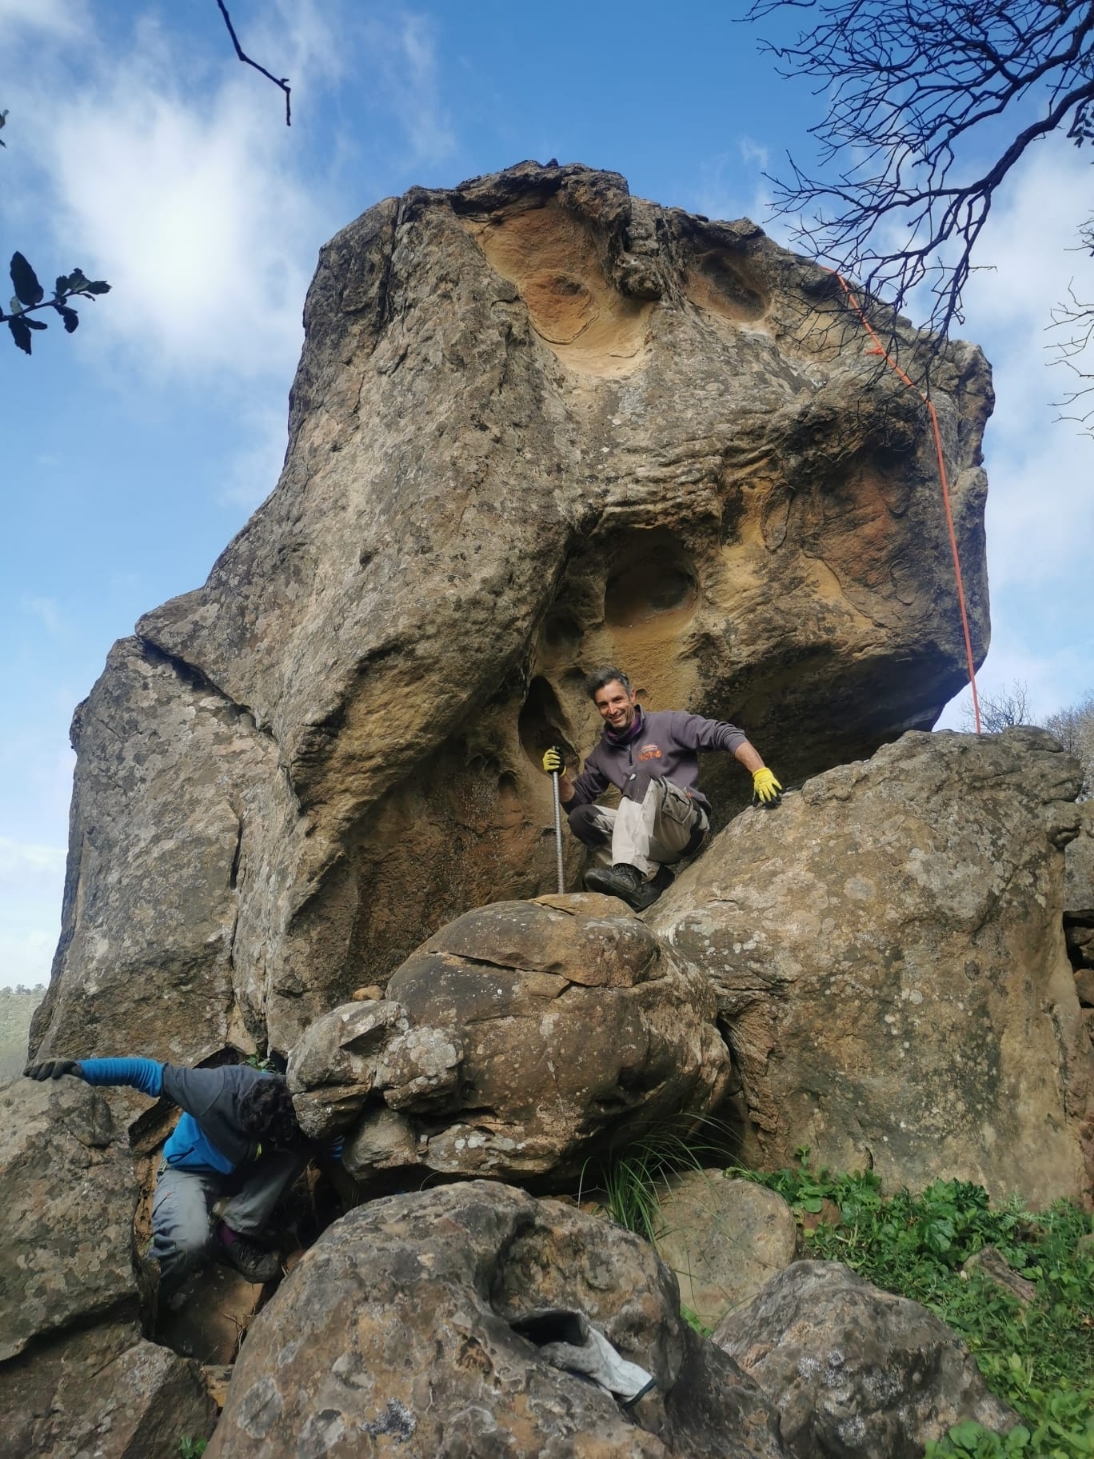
{"x": 25, "y": 281}
{"x": 69, "y": 316}
{"x": 77, "y": 282}
{"x": 34, "y": 324}
{"x": 20, "y": 334}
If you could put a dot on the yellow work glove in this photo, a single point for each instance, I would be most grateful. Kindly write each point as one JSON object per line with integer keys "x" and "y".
{"x": 765, "y": 787}
{"x": 552, "y": 761}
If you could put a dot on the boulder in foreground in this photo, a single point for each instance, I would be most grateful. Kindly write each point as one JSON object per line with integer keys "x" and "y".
{"x": 853, "y": 1370}
{"x": 888, "y": 954}
{"x": 517, "y": 1042}
{"x": 400, "y": 1332}
{"x": 67, "y": 1196}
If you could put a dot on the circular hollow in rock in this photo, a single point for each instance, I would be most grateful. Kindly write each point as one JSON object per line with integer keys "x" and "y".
{"x": 724, "y": 288}
{"x": 551, "y": 256}
{"x": 653, "y": 579}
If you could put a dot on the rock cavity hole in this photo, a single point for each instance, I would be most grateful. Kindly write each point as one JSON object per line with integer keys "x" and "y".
{"x": 542, "y": 722}
{"x": 652, "y": 580}
{"x": 723, "y": 287}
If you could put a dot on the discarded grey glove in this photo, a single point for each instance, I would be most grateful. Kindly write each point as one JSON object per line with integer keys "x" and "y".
{"x": 567, "y": 1340}
{"x": 53, "y": 1069}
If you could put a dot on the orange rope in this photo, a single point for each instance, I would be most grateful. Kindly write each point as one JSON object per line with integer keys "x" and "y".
{"x": 879, "y": 349}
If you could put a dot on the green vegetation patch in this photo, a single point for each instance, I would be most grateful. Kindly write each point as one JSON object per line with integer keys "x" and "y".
{"x": 1037, "y": 1355}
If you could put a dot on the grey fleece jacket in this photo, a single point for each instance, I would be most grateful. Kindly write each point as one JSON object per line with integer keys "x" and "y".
{"x": 664, "y": 743}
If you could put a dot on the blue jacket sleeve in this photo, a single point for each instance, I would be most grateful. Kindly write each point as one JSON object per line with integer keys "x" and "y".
{"x": 143, "y": 1074}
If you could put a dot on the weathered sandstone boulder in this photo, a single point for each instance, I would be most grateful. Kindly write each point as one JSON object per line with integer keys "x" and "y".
{"x": 1079, "y": 904}
{"x": 1079, "y": 868}
{"x": 67, "y": 1196}
{"x": 516, "y": 1042}
{"x": 538, "y": 424}
{"x": 399, "y": 1333}
{"x": 888, "y": 954}
{"x": 724, "y": 1239}
{"x": 102, "y": 1394}
{"x": 76, "y": 1378}
{"x": 853, "y": 1370}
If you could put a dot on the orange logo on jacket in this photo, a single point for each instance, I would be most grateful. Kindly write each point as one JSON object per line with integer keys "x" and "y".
{"x": 649, "y": 752}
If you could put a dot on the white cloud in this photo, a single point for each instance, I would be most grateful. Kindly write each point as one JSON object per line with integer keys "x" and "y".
{"x": 46, "y": 610}
{"x": 1040, "y": 506}
{"x": 193, "y": 214}
{"x": 60, "y": 17}
{"x": 403, "y": 48}
{"x": 196, "y": 203}
{"x": 25, "y": 957}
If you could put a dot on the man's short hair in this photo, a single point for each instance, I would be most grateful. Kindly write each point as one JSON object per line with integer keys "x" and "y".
{"x": 266, "y": 1112}
{"x": 607, "y": 675}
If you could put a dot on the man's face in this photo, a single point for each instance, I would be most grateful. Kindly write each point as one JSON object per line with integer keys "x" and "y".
{"x": 616, "y": 705}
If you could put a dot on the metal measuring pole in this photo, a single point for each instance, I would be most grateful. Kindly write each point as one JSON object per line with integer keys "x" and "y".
{"x": 558, "y": 829}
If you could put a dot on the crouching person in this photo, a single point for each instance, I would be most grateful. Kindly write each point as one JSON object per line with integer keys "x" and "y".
{"x": 237, "y": 1138}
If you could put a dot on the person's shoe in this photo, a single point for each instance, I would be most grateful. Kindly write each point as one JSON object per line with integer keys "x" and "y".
{"x": 628, "y": 883}
{"x": 249, "y": 1259}
{"x": 696, "y": 841}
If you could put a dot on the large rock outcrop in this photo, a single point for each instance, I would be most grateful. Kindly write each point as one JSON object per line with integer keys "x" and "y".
{"x": 537, "y": 424}
{"x": 405, "y": 1330}
{"x": 104, "y": 1393}
{"x": 888, "y": 953}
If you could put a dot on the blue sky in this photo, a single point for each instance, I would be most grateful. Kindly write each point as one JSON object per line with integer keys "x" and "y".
{"x": 139, "y": 149}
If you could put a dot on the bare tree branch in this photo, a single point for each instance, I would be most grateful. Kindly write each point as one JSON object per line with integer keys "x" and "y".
{"x": 1077, "y": 316}
{"x": 911, "y": 89}
{"x": 999, "y": 711}
{"x": 284, "y": 81}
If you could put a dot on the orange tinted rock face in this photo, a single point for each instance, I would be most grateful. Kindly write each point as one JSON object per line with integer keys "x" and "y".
{"x": 538, "y": 425}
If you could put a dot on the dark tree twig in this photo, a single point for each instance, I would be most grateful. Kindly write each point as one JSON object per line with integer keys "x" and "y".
{"x": 284, "y": 81}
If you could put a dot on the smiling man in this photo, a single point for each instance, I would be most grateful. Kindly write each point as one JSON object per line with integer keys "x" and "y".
{"x": 653, "y": 760}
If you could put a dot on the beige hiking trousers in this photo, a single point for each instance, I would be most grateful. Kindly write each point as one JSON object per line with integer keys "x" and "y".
{"x": 648, "y": 833}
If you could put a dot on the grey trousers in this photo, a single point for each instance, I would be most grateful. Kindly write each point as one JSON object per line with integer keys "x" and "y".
{"x": 654, "y": 822}
{"x": 182, "y": 1224}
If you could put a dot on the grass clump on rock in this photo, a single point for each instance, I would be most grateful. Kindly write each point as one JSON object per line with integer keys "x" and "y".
{"x": 1034, "y": 1344}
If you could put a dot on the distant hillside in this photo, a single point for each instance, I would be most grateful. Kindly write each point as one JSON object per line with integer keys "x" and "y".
{"x": 17, "y": 1005}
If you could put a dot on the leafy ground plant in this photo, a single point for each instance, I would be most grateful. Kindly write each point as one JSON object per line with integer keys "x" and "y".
{"x": 1038, "y": 1356}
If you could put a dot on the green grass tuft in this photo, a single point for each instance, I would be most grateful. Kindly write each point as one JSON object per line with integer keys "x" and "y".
{"x": 627, "y": 1182}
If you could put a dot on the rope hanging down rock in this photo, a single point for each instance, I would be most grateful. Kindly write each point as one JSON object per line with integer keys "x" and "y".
{"x": 879, "y": 349}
